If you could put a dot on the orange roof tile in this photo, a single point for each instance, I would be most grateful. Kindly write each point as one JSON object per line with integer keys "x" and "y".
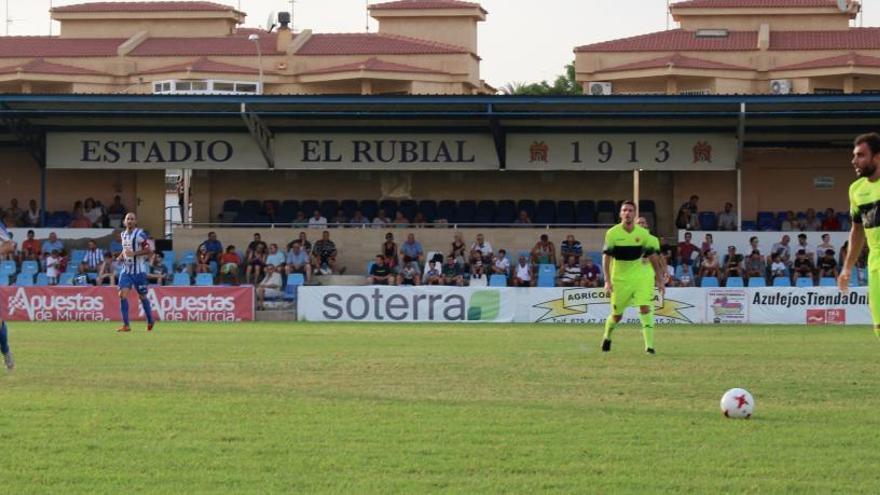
{"x": 40, "y": 66}
{"x": 675, "y": 60}
{"x": 426, "y": 4}
{"x": 205, "y": 65}
{"x": 372, "y": 43}
{"x": 373, "y": 64}
{"x": 853, "y": 59}
{"x": 144, "y": 7}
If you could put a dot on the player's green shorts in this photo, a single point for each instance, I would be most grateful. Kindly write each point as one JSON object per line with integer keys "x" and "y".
{"x": 632, "y": 293}
{"x": 874, "y": 295}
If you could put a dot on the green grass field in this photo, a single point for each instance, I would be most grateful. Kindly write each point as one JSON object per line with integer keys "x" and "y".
{"x": 293, "y": 408}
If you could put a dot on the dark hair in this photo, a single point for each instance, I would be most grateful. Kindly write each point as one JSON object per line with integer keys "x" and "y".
{"x": 628, "y": 202}
{"x": 872, "y": 139}
{"x": 753, "y": 238}
{"x": 407, "y": 259}
{"x": 544, "y": 237}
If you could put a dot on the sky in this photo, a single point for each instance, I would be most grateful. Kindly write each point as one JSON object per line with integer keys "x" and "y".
{"x": 521, "y": 41}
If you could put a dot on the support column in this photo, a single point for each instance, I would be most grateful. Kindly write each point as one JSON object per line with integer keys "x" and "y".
{"x": 671, "y": 86}
{"x": 849, "y": 85}
{"x": 636, "y": 193}
{"x": 366, "y": 87}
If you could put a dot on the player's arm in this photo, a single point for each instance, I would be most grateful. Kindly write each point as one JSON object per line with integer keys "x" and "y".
{"x": 145, "y": 247}
{"x": 652, "y": 247}
{"x": 607, "y": 250}
{"x": 856, "y": 243}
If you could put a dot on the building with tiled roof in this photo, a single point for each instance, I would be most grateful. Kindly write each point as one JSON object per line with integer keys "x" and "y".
{"x": 421, "y": 47}
{"x": 740, "y": 46}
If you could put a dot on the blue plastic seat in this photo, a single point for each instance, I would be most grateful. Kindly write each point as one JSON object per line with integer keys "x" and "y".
{"x": 409, "y": 208}
{"x": 309, "y": 206}
{"x": 506, "y": 212}
{"x": 30, "y": 266}
{"x": 709, "y": 282}
{"x": 296, "y": 279}
{"x": 233, "y": 205}
{"x": 4, "y": 280}
{"x": 757, "y": 282}
{"x": 428, "y": 209}
{"x": 565, "y": 212}
{"x": 446, "y": 209}
{"x": 735, "y": 282}
{"x": 465, "y": 212}
{"x": 328, "y": 208}
{"x": 24, "y": 280}
{"x": 202, "y": 279}
{"x": 181, "y": 280}
{"x": 827, "y": 282}
{"x": 647, "y": 206}
{"x": 708, "y": 220}
{"x": 528, "y": 205}
{"x": 390, "y": 207}
{"x": 804, "y": 282}
{"x": 546, "y": 275}
{"x": 497, "y": 280}
{"x": 42, "y": 280}
{"x": 749, "y": 226}
{"x": 348, "y": 206}
{"x": 370, "y": 208}
{"x": 66, "y": 278}
{"x": 8, "y": 267}
{"x": 485, "y": 212}
{"x": 545, "y": 213}
{"x": 781, "y": 282}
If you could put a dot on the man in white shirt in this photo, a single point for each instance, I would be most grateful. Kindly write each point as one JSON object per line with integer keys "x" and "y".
{"x": 522, "y": 274}
{"x": 485, "y": 249}
{"x": 501, "y": 265}
{"x": 269, "y": 286}
{"x": 782, "y": 249}
{"x": 727, "y": 218}
{"x": 824, "y": 246}
{"x": 803, "y": 244}
{"x": 317, "y": 221}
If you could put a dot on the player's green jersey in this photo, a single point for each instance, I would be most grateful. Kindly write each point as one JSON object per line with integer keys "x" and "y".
{"x": 628, "y": 248}
{"x": 653, "y": 248}
{"x": 864, "y": 206}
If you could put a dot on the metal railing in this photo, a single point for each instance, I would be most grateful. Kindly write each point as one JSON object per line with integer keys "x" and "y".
{"x": 370, "y": 226}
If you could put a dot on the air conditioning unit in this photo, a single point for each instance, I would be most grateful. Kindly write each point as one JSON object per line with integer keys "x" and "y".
{"x": 780, "y": 86}
{"x": 600, "y": 88}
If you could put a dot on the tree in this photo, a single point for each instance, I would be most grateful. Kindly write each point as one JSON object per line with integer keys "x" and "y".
{"x": 565, "y": 84}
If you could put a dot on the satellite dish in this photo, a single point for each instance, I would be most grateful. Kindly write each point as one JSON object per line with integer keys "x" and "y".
{"x": 270, "y": 22}
{"x": 843, "y": 5}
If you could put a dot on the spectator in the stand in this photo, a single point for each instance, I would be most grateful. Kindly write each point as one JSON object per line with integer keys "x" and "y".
{"x": 831, "y": 223}
{"x": 33, "y": 216}
{"x": 358, "y": 219}
{"x": 756, "y": 267}
{"x": 452, "y": 273}
{"x": 298, "y": 261}
{"x": 79, "y": 220}
{"x": 484, "y": 247}
{"x": 419, "y": 221}
{"x": 409, "y": 272}
{"x": 30, "y": 248}
{"x": 116, "y": 207}
{"x": 669, "y": 275}
{"x": 522, "y": 273}
{"x": 810, "y": 221}
{"x": 325, "y": 254}
{"x": 390, "y": 250}
{"x": 523, "y": 218}
{"x": 275, "y": 257}
{"x": 212, "y": 246}
{"x": 825, "y": 245}
{"x": 477, "y": 268}
{"x": 300, "y": 221}
{"x": 727, "y": 218}
{"x": 52, "y": 244}
{"x": 434, "y": 274}
{"x": 458, "y": 249}
{"x": 380, "y": 272}
{"x": 270, "y": 286}
{"x": 841, "y": 256}
{"x": 106, "y": 271}
{"x": 229, "y": 263}
{"x": 571, "y": 247}
{"x": 256, "y": 262}
{"x": 686, "y": 249}
{"x": 500, "y": 264}
{"x": 782, "y": 249}
{"x": 14, "y": 253}
{"x": 400, "y": 220}
{"x": 413, "y": 249}
{"x": 688, "y": 215}
{"x": 708, "y": 244}
{"x": 691, "y": 204}
{"x": 710, "y": 266}
{"x": 203, "y": 260}
{"x": 733, "y": 263}
{"x": 270, "y": 212}
{"x": 256, "y": 242}
{"x": 570, "y": 274}
{"x": 158, "y": 271}
{"x": 317, "y": 221}
{"x": 544, "y": 252}
{"x": 340, "y": 219}
{"x": 304, "y": 240}
{"x": 94, "y": 213}
{"x": 754, "y": 245}
{"x": 14, "y": 214}
{"x": 828, "y": 265}
{"x": 381, "y": 219}
{"x": 686, "y": 277}
{"x": 803, "y": 244}
{"x": 803, "y": 265}
{"x": 790, "y": 223}
{"x": 591, "y": 273}
{"x": 53, "y": 264}
{"x": 777, "y": 266}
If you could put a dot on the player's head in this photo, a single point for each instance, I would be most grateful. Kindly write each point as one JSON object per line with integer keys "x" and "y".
{"x": 866, "y": 154}
{"x": 130, "y": 221}
{"x": 642, "y": 222}
{"x": 627, "y": 212}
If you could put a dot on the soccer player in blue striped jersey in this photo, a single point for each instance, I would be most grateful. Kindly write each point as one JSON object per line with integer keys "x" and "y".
{"x": 135, "y": 253}
{"x": 6, "y": 247}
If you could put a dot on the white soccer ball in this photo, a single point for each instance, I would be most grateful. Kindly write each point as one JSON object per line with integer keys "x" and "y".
{"x": 737, "y": 403}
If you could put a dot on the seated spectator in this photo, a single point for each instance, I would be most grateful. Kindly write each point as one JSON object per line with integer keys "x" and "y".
{"x": 571, "y": 247}
{"x": 413, "y": 249}
{"x": 106, "y": 271}
{"x": 80, "y": 220}
{"x": 452, "y": 273}
{"x": 434, "y": 273}
{"x": 810, "y": 221}
{"x": 14, "y": 214}
{"x": 158, "y": 271}
{"x": 212, "y": 246}
{"x": 381, "y": 219}
{"x": 300, "y": 221}
{"x": 298, "y": 261}
{"x": 270, "y": 212}
{"x": 825, "y": 245}
{"x": 317, "y": 221}
{"x": 669, "y": 274}
{"x": 831, "y": 223}
{"x": 324, "y": 254}
{"x": 803, "y": 266}
{"x": 381, "y": 273}
{"x": 522, "y": 273}
{"x": 82, "y": 276}
{"x": 458, "y": 249}
{"x": 707, "y": 245}
{"x": 727, "y": 218}
{"x": 359, "y": 219}
{"x": 270, "y": 286}
{"x": 400, "y": 221}
{"x": 304, "y": 241}
{"x": 477, "y": 268}
{"x": 254, "y": 244}
{"x": 790, "y": 223}
{"x": 203, "y": 260}
{"x": 570, "y": 274}
{"x": 33, "y": 216}
{"x": 544, "y": 252}
{"x": 710, "y": 266}
{"x": 229, "y": 263}
{"x": 733, "y": 263}
{"x": 116, "y": 207}
{"x": 860, "y": 272}
{"x": 686, "y": 249}
{"x": 590, "y": 273}
{"x": 686, "y": 277}
{"x": 409, "y": 272}
{"x": 419, "y": 221}
{"x": 782, "y": 249}
{"x": 93, "y": 258}
{"x": 500, "y": 264}
{"x": 53, "y": 265}
{"x": 803, "y": 244}
{"x": 390, "y": 250}
{"x": 256, "y": 262}
{"x": 30, "y": 248}
{"x": 340, "y": 219}
{"x": 94, "y": 213}
{"x": 523, "y": 218}
{"x": 754, "y": 245}
{"x": 13, "y": 254}
{"x": 484, "y": 247}
{"x": 756, "y": 267}
{"x": 52, "y": 244}
{"x": 275, "y": 257}
{"x": 828, "y": 265}
{"x": 777, "y": 266}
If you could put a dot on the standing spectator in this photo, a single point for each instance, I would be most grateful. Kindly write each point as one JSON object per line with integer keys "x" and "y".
{"x": 733, "y": 263}
{"x": 381, "y": 219}
{"x": 256, "y": 261}
{"x": 270, "y": 286}
{"x": 340, "y": 219}
{"x": 831, "y": 223}
{"x": 803, "y": 265}
{"x": 522, "y": 273}
{"x": 727, "y": 218}
{"x": 825, "y": 245}
{"x": 229, "y": 263}
{"x": 94, "y": 213}
{"x": 400, "y": 220}
{"x": 571, "y": 247}
{"x": 590, "y": 273}
{"x": 458, "y": 249}
{"x": 570, "y": 274}
{"x": 544, "y": 252}
{"x": 203, "y": 260}
{"x": 212, "y": 246}
{"x": 33, "y": 216}
{"x": 810, "y": 221}
{"x": 317, "y": 221}
{"x": 298, "y": 261}
{"x": 30, "y": 248}
{"x": 790, "y": 223}
{"x": 106, "y": 271}
{"x": 53, "y": 262}
{"x": 275, "y": 257}
{"x": 452, "y": 273}
{"x": 325, "y": 253}
{"x": 413, "y": 249}
{"x": 484, "y": 247}
{"x": 710, "y": 266}
{"x": 756, "y": 267}
{"x": 116, "y": 207}
{"x": 782, "y": 249}
{"x": 390, "y": 251}
{"x": 409, "y": 272}
{"x": 358, "y": 219}
{"x": 803, "y": 244}
{"x": 828, "y": 265}
{"x": 501, "y": 265}
{"x": 523, "y": 218}
{"x": 777, "y": 266}
{"x": 52, "y": 244}
{"x": 686, "y": 277}
{"x": 686, "y": 249}
{"x": 158, "y": 271}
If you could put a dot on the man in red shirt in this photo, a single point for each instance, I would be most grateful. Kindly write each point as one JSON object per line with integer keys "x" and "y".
{"x": 831, "y": 223}
{"x": 30, "y": 248}
{"x": 686, "y": 249}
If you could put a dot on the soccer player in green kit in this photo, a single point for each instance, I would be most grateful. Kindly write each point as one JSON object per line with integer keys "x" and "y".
{"x": 864, "y": 200}
{"x": 631, "y": 264}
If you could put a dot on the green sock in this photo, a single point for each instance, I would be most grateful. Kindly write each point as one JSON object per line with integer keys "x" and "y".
{"x": 609, "y": 327}
{"x": 648, "y": 328}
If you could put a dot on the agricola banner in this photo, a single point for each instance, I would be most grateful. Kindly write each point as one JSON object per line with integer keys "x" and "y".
{"x": 207, "y": 304}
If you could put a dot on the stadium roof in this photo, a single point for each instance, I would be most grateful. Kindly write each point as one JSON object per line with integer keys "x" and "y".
{"x": 748, "y": 4}
{"x": 144, "y": 7}
{"x": 426, "y": 4}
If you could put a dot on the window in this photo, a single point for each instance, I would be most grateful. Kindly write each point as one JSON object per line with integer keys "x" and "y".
{"x": 828, "y": 91}
{"x": 711, "y": 33}
{"x": 206, "y": 87}
{"x": 696, "y": 92}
